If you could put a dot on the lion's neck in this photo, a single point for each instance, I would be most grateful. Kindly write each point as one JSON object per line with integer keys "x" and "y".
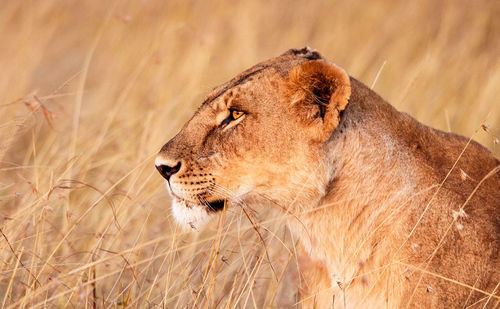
{"x": 365, "y": 194}
{"x": 358, "y": 223}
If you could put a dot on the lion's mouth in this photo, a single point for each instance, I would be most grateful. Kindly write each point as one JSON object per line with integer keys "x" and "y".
{"x": 213, "y": 206}
{"x": 216, "y": 205}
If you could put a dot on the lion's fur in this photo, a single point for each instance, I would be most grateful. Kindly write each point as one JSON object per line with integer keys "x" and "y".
{"x": 390, "y": 213}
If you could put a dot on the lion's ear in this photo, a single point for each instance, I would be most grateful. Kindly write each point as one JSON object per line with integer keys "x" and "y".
{"x": 320, "y": 91}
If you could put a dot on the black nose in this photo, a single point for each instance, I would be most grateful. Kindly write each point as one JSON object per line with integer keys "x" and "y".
{"x": 167, "y": 171}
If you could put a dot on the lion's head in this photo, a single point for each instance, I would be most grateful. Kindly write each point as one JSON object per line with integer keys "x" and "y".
{"x": 260, "y": 134}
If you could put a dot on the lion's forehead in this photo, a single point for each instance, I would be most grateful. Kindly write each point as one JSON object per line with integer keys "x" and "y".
{"x": 272, "y": 68}
{"x": 242, "y": 87}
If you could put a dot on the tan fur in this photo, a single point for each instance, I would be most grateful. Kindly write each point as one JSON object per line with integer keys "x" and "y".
{"x": 384, "y": 213}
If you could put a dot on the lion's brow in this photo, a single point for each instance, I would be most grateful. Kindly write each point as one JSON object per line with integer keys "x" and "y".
{"x": 235, "y": 82}
{"x": 277, "y": 64}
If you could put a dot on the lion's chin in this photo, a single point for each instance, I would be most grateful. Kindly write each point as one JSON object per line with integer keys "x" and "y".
{"x": 190, "y": 216}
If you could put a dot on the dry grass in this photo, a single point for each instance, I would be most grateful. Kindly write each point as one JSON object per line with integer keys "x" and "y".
{"x": 91, "y": 89}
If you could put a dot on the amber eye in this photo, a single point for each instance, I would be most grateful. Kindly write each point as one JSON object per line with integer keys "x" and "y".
{"x": 233, "y": 115}
{"x": 236, "y": 114}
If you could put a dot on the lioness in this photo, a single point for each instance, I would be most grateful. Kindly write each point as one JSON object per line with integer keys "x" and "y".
{"x": 390, "y": 213}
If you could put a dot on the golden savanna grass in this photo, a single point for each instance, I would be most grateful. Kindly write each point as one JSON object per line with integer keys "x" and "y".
{"x": 90, "y": 90}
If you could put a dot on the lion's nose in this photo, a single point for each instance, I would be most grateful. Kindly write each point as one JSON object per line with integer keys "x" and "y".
{"x": 167, "y": 171}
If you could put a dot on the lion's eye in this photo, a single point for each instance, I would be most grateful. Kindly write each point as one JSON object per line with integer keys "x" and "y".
{"x": 235, "y": 114}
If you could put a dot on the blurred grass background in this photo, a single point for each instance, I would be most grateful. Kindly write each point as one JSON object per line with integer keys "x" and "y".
{"x": 90, "y": 90}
